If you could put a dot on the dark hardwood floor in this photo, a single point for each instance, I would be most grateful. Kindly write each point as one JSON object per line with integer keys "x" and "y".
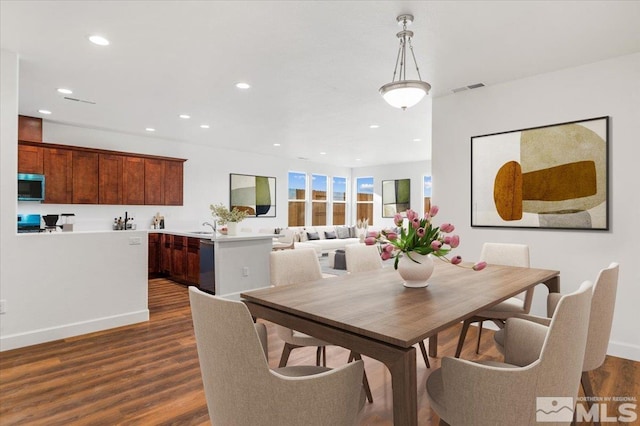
{"x": 148, "y": 374}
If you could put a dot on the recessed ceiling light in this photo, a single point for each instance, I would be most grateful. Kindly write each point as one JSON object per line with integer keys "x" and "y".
{"x": 243, "y": 85}
{"x": 374, "y": 126}
{"x": 276, "y": 144}
{"x": 204, "y": 126}
{"x": 417, "y": 140}
{"x": 65, "y": 91}
{"x": 44, "y": 111}
{"x": 150, "y": 129}
{"x": 185, "y": 116}
{"x": 323, "y": 153}
{"x": 357, "y": 159}
{"x": 99, "y": 40}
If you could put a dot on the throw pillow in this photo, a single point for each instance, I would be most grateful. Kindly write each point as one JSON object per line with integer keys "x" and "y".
{"x": 302, "y": 236}
{"x": 352, "y": 232}
{"x": 330, "y": 235}
{"x": 313, "y": 236}
{"x": 343, "y": 232}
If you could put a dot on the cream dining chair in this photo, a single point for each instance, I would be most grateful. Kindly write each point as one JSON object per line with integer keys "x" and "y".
{"x": 490, "y": 393}
{"x": 240, "y": 388}
{"x": 600, "y": 321}
{"x": 506, "y": 255}
{"x": 295, "y": 267}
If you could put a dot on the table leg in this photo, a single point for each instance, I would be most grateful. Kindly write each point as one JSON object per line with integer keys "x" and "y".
{"x": 404, "y": 388}
{"x": 553, "y": 284}
{"x": 433, "y": 345}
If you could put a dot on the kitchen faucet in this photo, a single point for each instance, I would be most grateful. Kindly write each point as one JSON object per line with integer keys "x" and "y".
{"x": 212, "y": 226}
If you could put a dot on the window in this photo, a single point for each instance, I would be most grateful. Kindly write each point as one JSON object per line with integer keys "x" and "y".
{"x": 318, "y": 200}
{"x": 339, "y": 198}
{"x": 427, "y": 193}
{"x": 297, "y": 198}
{"x": 364, "y": 200}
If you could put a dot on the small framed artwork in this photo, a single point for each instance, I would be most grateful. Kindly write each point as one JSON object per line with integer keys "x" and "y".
{"x": 256, "y": 195}
{"x": 396, "y": 197}
{"x": 551, "y": 177}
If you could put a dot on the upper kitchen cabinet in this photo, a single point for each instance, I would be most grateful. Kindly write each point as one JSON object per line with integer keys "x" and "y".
{"x": 29, "y": 128}
{"x": 30, "y": 159}
{"x": 173, "y": 182}
{"x": 58, "y": 174}
{"x": 110, "y": 179}
{"x": 154, "y": 181}
{"x": 85, "y": 166}
{"x": 133, "y": 180}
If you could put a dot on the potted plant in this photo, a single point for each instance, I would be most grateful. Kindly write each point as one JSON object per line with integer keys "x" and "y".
{"x": 230, "y": 218}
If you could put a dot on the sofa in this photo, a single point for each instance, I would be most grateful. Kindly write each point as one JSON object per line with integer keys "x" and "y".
{"x": 324, "y": 239}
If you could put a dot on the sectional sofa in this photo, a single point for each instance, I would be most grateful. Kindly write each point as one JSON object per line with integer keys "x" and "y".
{"x": 323, "y": 239}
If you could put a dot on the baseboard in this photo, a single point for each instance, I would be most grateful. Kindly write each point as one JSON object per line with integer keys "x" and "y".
{"x": 20, "y": 340}
{"x": 624, "y": 350}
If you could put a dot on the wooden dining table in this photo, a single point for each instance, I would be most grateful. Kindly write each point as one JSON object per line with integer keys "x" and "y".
{"x": 373, "y": 314}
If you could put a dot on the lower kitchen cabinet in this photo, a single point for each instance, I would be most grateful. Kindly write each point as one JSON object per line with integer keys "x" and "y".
{"x": 176, "y": 257}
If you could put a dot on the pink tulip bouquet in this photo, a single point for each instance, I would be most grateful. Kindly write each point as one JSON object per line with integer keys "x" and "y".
{"x": 420, "y": 236}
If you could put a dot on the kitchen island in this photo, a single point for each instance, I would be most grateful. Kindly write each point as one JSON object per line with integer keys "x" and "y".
{"x": 219, "y": 264}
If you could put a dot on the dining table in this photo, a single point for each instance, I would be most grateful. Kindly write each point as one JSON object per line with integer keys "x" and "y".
{"x": 373, "y": 314}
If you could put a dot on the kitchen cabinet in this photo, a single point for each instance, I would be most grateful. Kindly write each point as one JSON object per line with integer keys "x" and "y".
{"x": 29, "y": 128}
{"x": 58, "y": 174}
{"x": 154, "y": 254}
{"x": 84, "y": 177}
{"x": 30, "y": 159}
{"x": 154, "y": 180}
{"x": 178, "y": 258}
{"x": 165, "y": 254}
{"x": 173, "y": 182}
{"x": 93, "y": 176}
{"x": 133, "y": 180}
{"x": 193, "y": 260}
{"x": 110, "y": 180}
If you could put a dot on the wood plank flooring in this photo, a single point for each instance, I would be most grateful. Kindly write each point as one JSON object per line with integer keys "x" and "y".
{"x": 148, "y": 374}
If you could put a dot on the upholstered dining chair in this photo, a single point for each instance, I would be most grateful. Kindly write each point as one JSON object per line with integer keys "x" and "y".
{"x": 490, "y": 393}
{"x": 294, "y": 267}
{"x": 600, "y": 321}
{"x": 360, "y": 257}
{"x": 506, "y": 255}
{"x": 241, "y": 389}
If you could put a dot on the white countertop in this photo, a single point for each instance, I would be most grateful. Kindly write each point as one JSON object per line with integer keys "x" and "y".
{"x": 241, "y": 236}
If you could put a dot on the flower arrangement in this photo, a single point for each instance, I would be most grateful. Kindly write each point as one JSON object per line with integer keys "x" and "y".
{"x": 420, "y": 236}
{"x": 223, "y": 215}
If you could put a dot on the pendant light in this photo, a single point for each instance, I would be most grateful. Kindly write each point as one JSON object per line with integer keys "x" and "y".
{"x": 403, "y": 93}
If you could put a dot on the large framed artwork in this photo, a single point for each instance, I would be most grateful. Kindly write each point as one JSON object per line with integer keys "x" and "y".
{"x": 254, "y": 194}
{"x": 396, "y": 196}
{"x": 553, "y": 176}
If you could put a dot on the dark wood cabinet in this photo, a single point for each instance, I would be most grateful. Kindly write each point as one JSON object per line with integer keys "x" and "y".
{"x": 30, "y": 159}
{"x": 58, "y": 174}
{"x": 97, "y": 176}
{"x": 29, "y": 128}
{"x": 175, "y": 256}
{"x": 193, "y": 260}
{"x": 110, "y": 179}
{"x": 154, "y": 181}
{"x": 133, "y": 180}
{"x": 173, "y": 182}
{"x": 154, "y": 254}
{"x": 85, "y": 177}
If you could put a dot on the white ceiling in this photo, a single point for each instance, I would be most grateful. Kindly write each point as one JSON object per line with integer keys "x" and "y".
{"x": 315, "y": 66}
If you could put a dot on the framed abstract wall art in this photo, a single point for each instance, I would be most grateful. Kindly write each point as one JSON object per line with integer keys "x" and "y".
{"x": 254, "y": 194}
{"x": 396, "y": 196}
{"x": 553, "y": 177}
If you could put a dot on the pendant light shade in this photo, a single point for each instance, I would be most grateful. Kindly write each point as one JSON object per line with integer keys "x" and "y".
{"x": 403, "y": 93}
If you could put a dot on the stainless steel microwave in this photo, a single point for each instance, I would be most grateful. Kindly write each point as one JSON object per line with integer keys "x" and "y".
{"x": 30, "y": 187}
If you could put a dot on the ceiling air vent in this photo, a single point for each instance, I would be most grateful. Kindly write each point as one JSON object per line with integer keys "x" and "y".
{"x": 79, "y": 100}
{"x": 469, "y": 87}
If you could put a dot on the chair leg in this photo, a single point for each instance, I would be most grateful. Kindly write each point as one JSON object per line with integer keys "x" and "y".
{"x": 286, "y": 351}
{"x": 365, "y": 381}
{"x": 588, "y": 392}
{"x": 424, "y": 354}
{"x": 318, "y": 354}
{"x": 463, "y": 334}
{"x": 479, "y": 336}
{"x": 324, "y": 356}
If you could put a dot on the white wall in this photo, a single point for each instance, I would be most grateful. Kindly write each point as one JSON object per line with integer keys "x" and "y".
{"x": 610, "y": 88}
{"x": 414, "y": 171}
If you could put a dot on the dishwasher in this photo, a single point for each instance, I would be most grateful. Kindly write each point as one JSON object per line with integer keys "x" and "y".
{"x": 207, "y": 267}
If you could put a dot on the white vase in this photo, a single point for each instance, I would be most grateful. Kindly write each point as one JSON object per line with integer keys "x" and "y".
{"x": 415, "y": 275}
{"x": 232, "y": 228}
